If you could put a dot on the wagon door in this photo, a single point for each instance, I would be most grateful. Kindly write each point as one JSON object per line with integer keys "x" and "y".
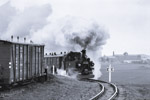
{"x": 4, "y": 62}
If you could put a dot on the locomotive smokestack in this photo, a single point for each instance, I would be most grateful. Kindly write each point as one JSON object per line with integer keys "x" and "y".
{"x": 83, "y": 53}
{"x": 24, "y": 40}
{"x": 12, "y": 38}
{"x": 17, "y": 38}
{"x": 113, "y": 53}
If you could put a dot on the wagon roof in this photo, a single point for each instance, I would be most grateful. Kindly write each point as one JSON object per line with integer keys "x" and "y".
{"x": 57, "y": 55}
{"x": 12, "y": 42}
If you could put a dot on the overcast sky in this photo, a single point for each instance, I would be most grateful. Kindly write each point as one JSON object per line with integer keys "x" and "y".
{"x": 127, "y": 21}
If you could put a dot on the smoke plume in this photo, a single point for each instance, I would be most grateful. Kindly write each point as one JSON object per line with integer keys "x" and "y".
{"x": 74, "y": 34}
{"x": 93, "y": 39}
{"x": 64, "y": 34}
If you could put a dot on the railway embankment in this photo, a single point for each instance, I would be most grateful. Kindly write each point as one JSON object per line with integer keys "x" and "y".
{"x": 56, "y": 88}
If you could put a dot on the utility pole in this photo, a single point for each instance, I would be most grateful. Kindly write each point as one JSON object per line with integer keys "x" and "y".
{"x": 110, "y": 69}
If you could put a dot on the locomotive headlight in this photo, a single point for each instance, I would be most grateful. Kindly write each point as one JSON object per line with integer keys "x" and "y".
{"x": 79, "y": 65}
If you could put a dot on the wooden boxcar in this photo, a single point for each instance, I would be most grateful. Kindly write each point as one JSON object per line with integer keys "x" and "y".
{"x": 55, "y": 61}
{"x": 20, "y": 62}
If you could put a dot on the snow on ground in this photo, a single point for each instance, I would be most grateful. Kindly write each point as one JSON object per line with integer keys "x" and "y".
{"x": 57, "y": 88}
{"x": 132, "y": 79}
{"x": 134, "y": 92}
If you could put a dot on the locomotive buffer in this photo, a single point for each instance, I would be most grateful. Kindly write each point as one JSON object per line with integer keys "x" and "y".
{"x": 110, "y": 69}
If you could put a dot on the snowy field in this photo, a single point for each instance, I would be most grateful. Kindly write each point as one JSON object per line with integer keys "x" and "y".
{"x": 128, "y": 73}
{"x": 132, "y": 80}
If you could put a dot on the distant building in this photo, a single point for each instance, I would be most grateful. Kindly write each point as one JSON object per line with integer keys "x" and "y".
{"x": 126, "y": 58}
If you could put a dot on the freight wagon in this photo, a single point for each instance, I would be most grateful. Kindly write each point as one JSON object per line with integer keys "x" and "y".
{"x": 54, "y": 62}
{"x": 20, "y": 62}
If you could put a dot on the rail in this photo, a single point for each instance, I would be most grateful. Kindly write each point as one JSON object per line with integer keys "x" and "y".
{"x": 115, "y": 93}
{"x": 103, "y": 89}
{"x": 100, "y": 93}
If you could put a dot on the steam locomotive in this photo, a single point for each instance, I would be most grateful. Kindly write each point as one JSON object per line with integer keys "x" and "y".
{"x": 75, "y": 63}
{"x": 25, "y": 62}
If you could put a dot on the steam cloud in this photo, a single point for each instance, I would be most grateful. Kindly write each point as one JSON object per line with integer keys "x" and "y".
{"x": 22, "y": 23}
{"x": 64, "y": 34}
{"x": 74, "y": 34}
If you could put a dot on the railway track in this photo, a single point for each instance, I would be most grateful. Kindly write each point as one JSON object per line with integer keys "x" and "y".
{"x": 108, "y": 90}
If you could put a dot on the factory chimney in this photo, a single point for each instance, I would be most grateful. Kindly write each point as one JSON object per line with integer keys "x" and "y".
{"x": 17, "y": 38}
{"x": 113, "y": 53}
{"x": 12, "y": 38}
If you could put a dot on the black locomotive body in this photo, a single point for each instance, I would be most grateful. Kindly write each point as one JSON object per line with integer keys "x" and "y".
{"x": 75, "y": 63}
